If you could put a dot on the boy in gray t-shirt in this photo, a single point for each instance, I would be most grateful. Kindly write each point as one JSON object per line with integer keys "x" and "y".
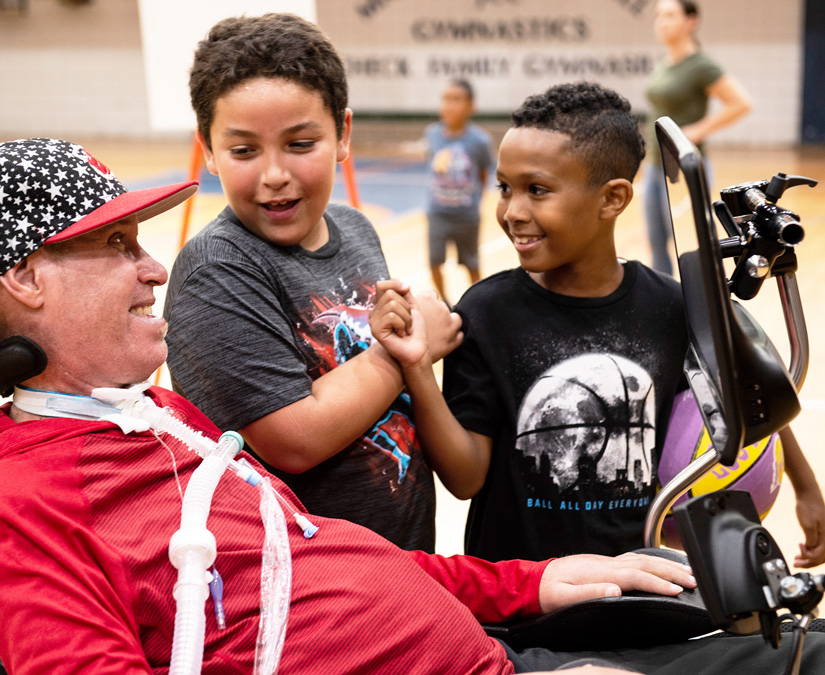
{"x": 459, "y": 155}
{"x": 268, "y": 306}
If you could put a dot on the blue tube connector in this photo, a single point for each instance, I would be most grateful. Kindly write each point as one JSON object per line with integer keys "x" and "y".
{"x": 309, "y": 528}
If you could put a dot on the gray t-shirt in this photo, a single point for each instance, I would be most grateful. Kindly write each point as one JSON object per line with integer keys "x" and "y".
{"x": 252, "y": 324}
{"x": 456, "y": 164}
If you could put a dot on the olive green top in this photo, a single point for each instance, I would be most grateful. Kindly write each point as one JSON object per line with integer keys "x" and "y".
{"x": 678, "y": 90}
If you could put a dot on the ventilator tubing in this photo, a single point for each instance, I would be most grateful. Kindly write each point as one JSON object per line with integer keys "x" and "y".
{"x": 161, "y": 420}
{"x": 192, "y": 550}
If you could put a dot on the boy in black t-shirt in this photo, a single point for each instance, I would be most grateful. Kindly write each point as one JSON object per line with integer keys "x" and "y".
{"x": 558, "y": 399}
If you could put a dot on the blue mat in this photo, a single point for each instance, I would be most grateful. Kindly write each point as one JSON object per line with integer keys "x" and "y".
{"x": 397, "y": 185}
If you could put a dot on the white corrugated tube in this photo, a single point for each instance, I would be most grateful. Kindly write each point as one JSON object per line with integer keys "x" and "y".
{"x": 192, "y": 550}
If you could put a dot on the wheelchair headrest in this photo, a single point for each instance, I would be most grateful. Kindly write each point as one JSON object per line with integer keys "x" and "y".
{"x": 20, "y": 359}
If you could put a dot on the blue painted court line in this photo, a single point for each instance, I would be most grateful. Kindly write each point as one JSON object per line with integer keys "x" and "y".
{"x": 399, "y": 186}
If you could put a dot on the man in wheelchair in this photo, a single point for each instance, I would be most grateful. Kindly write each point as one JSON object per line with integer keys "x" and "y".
{"x": 90, "y": 494}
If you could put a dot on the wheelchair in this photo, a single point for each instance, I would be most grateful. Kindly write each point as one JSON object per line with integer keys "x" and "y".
{"x": 744, "y": 392}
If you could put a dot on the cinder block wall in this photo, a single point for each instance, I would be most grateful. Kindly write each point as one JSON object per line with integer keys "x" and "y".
{"x": 68, "y": 69}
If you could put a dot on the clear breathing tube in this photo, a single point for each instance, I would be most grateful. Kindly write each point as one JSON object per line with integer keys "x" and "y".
{"x": 192, "y": 549}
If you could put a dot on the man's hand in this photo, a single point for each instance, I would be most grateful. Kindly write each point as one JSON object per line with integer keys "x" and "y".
{"x": 443, "y": 326}
{"x": 576, "y": 578}
{"x": 693, "y": 133}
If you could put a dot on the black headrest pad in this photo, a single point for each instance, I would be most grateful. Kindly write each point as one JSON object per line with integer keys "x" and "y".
{"x": 20, "y": 359}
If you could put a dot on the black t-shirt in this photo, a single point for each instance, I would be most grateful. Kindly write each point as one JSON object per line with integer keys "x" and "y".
{"x": 575, "y": 393}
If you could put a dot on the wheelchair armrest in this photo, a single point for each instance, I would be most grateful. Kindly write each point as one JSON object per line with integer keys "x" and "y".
{"x": 636, "y": 619}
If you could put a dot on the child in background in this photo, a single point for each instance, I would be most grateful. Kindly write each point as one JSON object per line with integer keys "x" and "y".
{"x": 268, "y": 305}
{"x": 558, "y": 399}
{"x": 460, "y": 155}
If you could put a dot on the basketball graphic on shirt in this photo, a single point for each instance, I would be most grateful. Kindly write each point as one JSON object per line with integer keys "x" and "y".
{"x": 590, "y": 420}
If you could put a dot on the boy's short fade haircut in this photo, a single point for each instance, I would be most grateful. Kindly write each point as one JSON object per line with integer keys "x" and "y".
{"x": 602, "y": 130}
{"x": 281, "y": 46}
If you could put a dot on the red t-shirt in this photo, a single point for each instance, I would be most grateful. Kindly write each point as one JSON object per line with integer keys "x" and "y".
{"x": 86, "y": 513}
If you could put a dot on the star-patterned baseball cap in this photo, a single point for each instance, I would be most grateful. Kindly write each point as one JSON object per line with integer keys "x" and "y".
{"x": 52, "y": 190}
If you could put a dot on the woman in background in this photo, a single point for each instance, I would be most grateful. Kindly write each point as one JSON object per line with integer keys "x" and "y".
{"x": 680, "y": 88}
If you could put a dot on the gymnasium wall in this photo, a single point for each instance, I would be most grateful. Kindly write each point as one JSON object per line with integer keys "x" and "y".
{"x": 72, "y": 69}
{"x": 78, "y": 70}
{"x": 399, "y": 52}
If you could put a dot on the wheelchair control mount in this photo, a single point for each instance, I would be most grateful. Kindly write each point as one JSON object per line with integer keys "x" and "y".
{"x": 742, "y": 576}
{"x": 761, "y": 234}
{"x": 741, "y": 573}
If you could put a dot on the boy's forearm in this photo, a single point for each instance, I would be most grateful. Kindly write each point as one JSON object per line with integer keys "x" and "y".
{"x": 459, "y": 457}
{"x": 799, "y": 471}
{"x": 343, "y": 405}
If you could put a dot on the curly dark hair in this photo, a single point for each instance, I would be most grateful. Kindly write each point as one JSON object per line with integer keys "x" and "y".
{"x": 602, "y": 130}
{"x": 273, "y": 45}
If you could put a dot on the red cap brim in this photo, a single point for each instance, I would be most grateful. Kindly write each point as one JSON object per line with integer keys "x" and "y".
{"x": 144, "y": 204}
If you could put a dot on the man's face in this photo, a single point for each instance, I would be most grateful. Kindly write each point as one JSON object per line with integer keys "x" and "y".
{"x": 274, "y": 148}
{"x": 98, "y": 292}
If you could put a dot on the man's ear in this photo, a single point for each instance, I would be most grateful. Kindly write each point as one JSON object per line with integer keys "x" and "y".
{"x": 346, "y": 135}
{"x": 616, "y": 195}
{"x": 24, "y": 283}
{"x": 208, "y": 157}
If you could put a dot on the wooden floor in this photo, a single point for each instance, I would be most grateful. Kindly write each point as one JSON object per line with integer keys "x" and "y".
{"x": 403, "y": 238}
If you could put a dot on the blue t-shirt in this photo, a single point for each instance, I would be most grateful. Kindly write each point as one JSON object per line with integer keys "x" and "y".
{"x": 456, "y": 164}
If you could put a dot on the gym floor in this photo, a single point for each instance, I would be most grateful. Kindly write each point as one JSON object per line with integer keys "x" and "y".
{"x": 392, "y": 184}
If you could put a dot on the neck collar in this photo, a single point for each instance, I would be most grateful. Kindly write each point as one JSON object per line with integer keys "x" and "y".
{"x": 105, "y": 404}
